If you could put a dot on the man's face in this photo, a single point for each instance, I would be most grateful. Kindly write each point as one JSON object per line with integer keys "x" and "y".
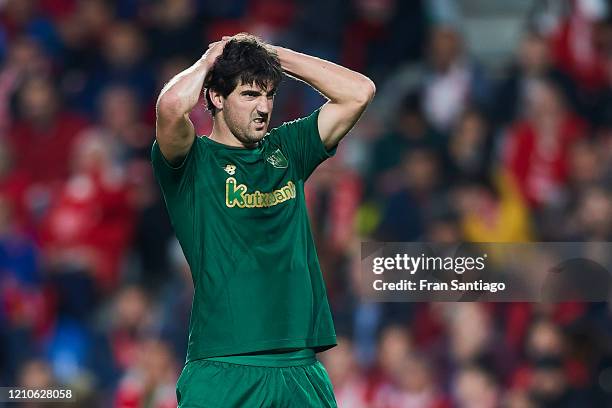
{"x": 247, "y": 112}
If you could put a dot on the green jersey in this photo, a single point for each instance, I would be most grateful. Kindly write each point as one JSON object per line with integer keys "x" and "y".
{"x": 241, "y": 219}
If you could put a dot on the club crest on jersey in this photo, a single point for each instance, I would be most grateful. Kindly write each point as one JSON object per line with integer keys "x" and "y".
{"x": 230, "y": 169}
{"x": 278, "y": 159}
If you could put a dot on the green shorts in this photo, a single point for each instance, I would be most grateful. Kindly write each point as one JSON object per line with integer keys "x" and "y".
{"x": 294, "y": 379}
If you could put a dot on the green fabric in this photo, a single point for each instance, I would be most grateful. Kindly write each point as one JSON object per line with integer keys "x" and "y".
{"x": 278, "y": 359}
{"x": 213, "y": 384}
{"x": 241, "y": 219}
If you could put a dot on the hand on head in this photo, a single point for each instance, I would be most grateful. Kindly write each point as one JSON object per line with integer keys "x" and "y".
{"x": 214, "y": 50}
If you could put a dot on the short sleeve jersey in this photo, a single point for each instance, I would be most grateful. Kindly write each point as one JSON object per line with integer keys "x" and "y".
{"x": 241, "y": 219}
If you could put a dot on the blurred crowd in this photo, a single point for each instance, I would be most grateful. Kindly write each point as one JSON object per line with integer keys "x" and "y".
{"x": 95, "y": 293}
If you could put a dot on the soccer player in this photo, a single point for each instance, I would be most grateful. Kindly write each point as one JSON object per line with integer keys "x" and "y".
{"x": 236, "y": 201}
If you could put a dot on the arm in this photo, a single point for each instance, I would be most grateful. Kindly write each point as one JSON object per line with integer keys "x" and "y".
{"x": 348, "y": 92}
{"x": 174, "y": 130}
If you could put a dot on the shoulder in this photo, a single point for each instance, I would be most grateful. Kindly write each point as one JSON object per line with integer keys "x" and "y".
{"x": 195, "y": 151}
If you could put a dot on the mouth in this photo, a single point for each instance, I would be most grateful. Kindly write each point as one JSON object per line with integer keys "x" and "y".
{"x": 260, "y": 122}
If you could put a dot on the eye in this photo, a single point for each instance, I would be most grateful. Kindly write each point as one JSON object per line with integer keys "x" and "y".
{"x": 250, "y": 95}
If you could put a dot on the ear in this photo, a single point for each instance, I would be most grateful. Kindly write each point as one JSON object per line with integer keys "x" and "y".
{"x": 216, "y": 98}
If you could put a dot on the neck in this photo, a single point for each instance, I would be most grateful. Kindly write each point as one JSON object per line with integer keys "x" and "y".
{"x": 221, "y": 133}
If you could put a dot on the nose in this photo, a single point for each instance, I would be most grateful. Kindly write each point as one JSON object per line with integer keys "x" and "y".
{"x": 264, "y": 105}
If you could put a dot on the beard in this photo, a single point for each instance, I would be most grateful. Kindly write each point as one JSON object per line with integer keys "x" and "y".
{"x": 249, "y": 133}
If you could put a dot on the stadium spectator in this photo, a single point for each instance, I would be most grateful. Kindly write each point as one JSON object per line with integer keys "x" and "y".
{"x": 476, "y": 388}
{"x": 151, "y": 380}
{"x": 412, "y": 386}
{"x": 42, "y": 138}
{"x": 533, "y": 63}
{"x": 350, "y": 385}
{"x": 89, "y": 226}
{"x": 537, "y": 149}
{"x": 469, "y": 150}
{"x": 492, "y": 210}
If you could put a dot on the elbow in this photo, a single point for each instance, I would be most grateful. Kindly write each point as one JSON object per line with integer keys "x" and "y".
{"x": 169, "y": 105}
{"x": 367, "y": 90}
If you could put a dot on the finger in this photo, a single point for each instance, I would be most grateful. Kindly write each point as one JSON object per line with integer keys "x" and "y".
{"x": 226, "y": 37}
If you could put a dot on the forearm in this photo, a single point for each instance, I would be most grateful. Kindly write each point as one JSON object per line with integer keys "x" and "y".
{"x": 174, "y": 131}
{"x": 349, "y": 92}
{"x": 338, "y": 84}
{"x": 181, "y": 94}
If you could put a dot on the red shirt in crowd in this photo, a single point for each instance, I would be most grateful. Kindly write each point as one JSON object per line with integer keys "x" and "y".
{"x": 43, "y": 153}
{"x": 540, "y": 166}
{"x": 92, "y": 217}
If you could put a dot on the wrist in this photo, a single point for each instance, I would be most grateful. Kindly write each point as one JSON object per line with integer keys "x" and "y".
{"x": 207, "y": 60}
{"x": 281, "y": 54}
{"x": 204, "y": 63}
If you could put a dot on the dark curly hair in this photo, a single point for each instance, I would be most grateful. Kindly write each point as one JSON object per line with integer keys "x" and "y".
{"x": 245, "y": 60}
